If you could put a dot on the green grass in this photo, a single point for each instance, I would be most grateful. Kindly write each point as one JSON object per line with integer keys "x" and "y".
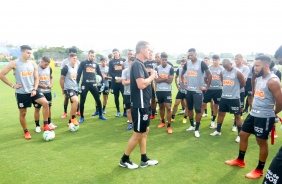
{"x": 91, "y": 155}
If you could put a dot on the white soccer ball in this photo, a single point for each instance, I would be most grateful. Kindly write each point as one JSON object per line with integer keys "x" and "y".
{"x": 98, "y": 79}
{"x": 48, "y": 135}
{"x": 73, "y": 128}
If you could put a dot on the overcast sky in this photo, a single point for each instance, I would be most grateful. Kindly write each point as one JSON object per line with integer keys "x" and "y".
{"x": 174, "y": 26}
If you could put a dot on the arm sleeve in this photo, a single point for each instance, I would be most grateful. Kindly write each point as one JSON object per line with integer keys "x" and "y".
{"x": 64, "y": 71}
{"x": 185, "y": 67}
{"x": 111, "y": 70}
{"x": 138, "y": 71}
{"x": 278, "y": 73}
{"x": 51, "y": 71}
{"x": 171, "y": 71}
{"x": 204, "y": 66}
{"x": 79, "y": 72}
{"x": 99, "y": 72}
{"x": 177, "y": 72}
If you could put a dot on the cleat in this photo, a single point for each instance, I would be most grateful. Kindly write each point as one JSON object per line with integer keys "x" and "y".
{"x": 215, "y": 133}
{"x": 156, "y": 113}
{"x": 184, "y": 120}
{"x": 172, "y": 120}
{"x": 37, "y": 129}
{"x": 48, "y": 127}
{"x": 128, "y": 164}
{"x": 204, "y": 115}
{"x": 103, "y": 112}
{"x": 52, "y": 124}
{"x": 124, "y": 114}
{"x": 190, "y": 128}
{"x": 275, "y": 135}
{"x": 129, "y": 127}
{"x": 152, "y": 117}
{"x": 181, "y": 112}
{"x": 148, "y": 163}
{"x": 161, "y": 125}
{"x": 169, "y": 130}
{"x": 256, "y": 173}
{"x": 213, "y": 126}
{"x": 237, "y": 139}
{"x": 236, "y": 162}
{"x": 245, "y": 112}
{"x": 27, "y": 135}
{"x": 102, "y": 117}
{"x": 197, "y": 134}
{"x": 74, "y": 121}
{"x": 64, "y": 115}
{"x": 234, "y": 129}
{"x": 81, "y": 120}
{"x": 77, "y": 113}
{"x": 127, "y": 121}
{"x": 118, "y": 114}
{"x": 95, "y": 113}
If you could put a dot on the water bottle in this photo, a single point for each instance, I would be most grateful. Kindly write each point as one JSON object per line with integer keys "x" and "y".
{"x": 55, "y": 95}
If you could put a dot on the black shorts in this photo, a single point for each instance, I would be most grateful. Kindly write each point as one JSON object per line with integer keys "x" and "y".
{"x": 105, "y": 92}
{"x": 164, "y": 96}
{"x": 214, "y": 94}
{"x": 153, "y": 93}
{"x": 242, "y": 98}
{"x": 274, "y": 172}
{"x": 180, "y": 95}
{"x": 195, "y": 100}
{"x": 48, "y": 97}
{"x": 248, "y": 87}
{"x": 141, "y": 119}
{"x": 260, "y": 127}
{"x": 24, "y": 100}
{"x": 229, "y": 105}
{"x": 70, "y": 93}
{"x": 127, "y": 102}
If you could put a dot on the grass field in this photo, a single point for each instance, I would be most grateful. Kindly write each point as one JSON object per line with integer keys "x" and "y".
{"x": 92, "y": 154}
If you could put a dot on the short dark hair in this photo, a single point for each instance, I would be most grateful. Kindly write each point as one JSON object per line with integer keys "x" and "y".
{"x": 72, "y": 50}
{"x": 278, "y": 53}
{"x": 46, "y": 59}
{"x": 115, "y": 50}
{"x": 272, "y": 64}
{"x": 206, "y": 58}
{"x": 192, "y": 50}
{"x": 110, "y": 56}
{"x": 25, "y": 47}
{"x": 91, "y": 51}
{"x": 131, "y": 58}
{"x": 102, "y": 59}
{"x": 164, "y": 55}
{"x": 183, "y": 61}
{"x": 215, "y": 56}
{"x": 264, "y": 59}
{"x": 141, "y": 45}
{"x": 72, "y": 54}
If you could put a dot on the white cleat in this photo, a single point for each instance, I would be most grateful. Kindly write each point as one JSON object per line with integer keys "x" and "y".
{"x": 190, "y": 128}
{"x": 213, "y": 125}
{"x": 197, "y": 134}
{"x": 237, "y": 139}
{"x": 234, "y": 128}
{"x": 37, "y": 129}
{"x": 52, "y": 124}
{"x": 148, "y": 163}
{"x": 215, "y": 133}
{"x": 128, "y": 164}
{"x": 204, "y": 115}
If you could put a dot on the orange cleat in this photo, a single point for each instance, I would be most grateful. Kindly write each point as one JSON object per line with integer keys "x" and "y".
{"x": 74, "y": 121}
{"x": 78, "y": 113}
{"x": 236, "y": 162}
{"x": 256, "y": 173}
{"x": 152, "y": 117}
{"x": 275, "y": 135}
{"x": 169, "y": 130}
{"x": 27, "y": 135}
{"x": 47, "y": 127}
{"x": 64, "y": 115}
{"x": 161, "y": 125}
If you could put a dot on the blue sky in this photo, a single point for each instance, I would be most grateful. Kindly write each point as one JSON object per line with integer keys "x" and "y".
{"x": 174, "y": 26}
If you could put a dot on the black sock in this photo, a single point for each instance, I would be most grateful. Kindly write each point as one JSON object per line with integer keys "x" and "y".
{"x": 234, "y": 124}
{"x": 26, "y": 130}
{"x": 97, "y": 109}
{"x": 197, "y": 126}
{"x": 241, "y": 155}
{"x": 144, "y": 157}
{"x": 72, "y": 116}
{"x": 241, "y": 113}
{"x": 213, "y": 118}
{"x": 154, "y": 112}
{"x": 218, "y": 127}
{"x": 239, "y": 128}
{"x": 206, "y": 111}
{"x": 185, "y": 116}
{"x": 192, "y": 122}
{"x": 124, "y": 111}
{"x": 163, "y": 121}
{"x": 69, "y": 121}
{"x": 168, "y": 125}
{"x": 212, "y": 113}
{"x": 104, "y": 107}
{"x": 172, "y": 116}
{"x": 260, "y": 165}
{"x": 45, "y": 122}
{"x": 49, "y": 120}
{"x": 183, "y": 108}
{"x": 37, "y": 123}
{"x": 125, "y": 158}
{"x": 65, "y": 108}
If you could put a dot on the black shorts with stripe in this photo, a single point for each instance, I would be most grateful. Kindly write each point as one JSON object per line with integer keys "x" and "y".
{"x": 229, "y": 105}
{"x": 24, "y": 100}
{"x": 48, "y": 97}
{"x": 141, "y": 119}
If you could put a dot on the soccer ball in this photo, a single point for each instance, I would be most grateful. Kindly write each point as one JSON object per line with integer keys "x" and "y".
{"x": 98, "y": 79}
{"x": 73, "y": 128}
{"x": 48, "y": 135}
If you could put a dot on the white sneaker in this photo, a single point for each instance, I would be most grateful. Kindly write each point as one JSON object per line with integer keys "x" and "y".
{"x": 213, "y": 125}
{"x": 190, "y": 128}
{"x": 181, "y": 112}
{"x": 127, "y": 121}
{"x": 197, "y": 134}
{"x": 184, "y": 120}
{"x": 37, "y": 129}
{"x": 204, "y": 115}
{"x": 128, "y": 164}
{"x": 52, "y": 124}
{"x": 215, "y": 133}
{"x": 148, "y": 163}
{"x": 234, "y": 128}
{"x": 237, "y": 139}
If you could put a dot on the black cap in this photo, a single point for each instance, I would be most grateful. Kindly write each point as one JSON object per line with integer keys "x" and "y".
{"x": 115, "y": 50}
{"x": 215, "y": 56}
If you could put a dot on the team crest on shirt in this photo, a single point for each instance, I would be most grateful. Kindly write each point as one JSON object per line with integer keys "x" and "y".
{"x": 263, "y": 84}
{"x": 232, "y": 75}
{"x": 121, "y": 62}
{"x": 197, "y": 67}
{"x": 35, "y": 105}
{"x": 145, "y": 117}
{"x": 82, "y": 87}
{"x": 218, "y": 72}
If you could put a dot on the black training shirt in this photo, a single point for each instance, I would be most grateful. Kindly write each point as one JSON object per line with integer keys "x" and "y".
{"x": 88, "y": 69}
{"x": 139, "y": 98}
{"x": 115, "y": 68}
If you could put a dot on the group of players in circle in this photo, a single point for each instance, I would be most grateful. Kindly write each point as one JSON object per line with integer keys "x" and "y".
{"x": 198, "y": 83}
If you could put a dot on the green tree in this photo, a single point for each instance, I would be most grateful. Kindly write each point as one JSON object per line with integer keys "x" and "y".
{"x": 4, "y": 60}
{"x": 14, "y": 57}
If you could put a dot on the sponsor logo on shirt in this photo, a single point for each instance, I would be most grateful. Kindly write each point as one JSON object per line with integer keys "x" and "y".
{"x": 44, "y": 78}
{"x": 215, "y": 77}
{"x": 118, "y": 67}
{"x": 91, "y": 70}
{"x": 26, "y": 74}
{"x": 259, "y": 94}
{"x": 192, "y": 73}
{"x": 73, "y": 76}
{"x": 163, "y": 76}
{"x": 228, "y": 82}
